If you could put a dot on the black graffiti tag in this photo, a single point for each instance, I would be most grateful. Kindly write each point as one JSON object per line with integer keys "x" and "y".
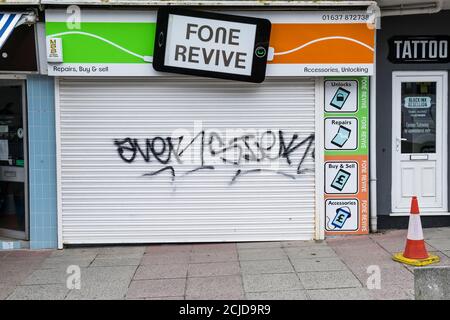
{"x": 236, "y": 151}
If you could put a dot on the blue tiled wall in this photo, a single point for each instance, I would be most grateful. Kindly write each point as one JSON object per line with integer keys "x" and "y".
{"x": 42, "y": 162}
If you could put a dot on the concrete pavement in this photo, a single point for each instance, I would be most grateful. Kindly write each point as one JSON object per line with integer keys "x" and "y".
{"x": 338, "y": 268}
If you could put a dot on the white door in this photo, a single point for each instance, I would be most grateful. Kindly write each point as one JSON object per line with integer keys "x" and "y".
{"x": 185, "y": 160}
{"x": 419, "y": 141}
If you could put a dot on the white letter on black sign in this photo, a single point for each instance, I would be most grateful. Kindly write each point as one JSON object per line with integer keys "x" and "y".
{"x": 397, "y": 49}
{"x": 443, "y": 49}
{"x": 432, "y": 49}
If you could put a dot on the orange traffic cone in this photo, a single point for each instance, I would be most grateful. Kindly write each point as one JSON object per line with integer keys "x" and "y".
{"x": 415, "y": 251}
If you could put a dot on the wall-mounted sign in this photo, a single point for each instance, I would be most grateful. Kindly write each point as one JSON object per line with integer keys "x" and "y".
{"x": 346, "y": 167}
{"x": 419, "y": 49}
{"x": 211, "y": 44}
{"x": 341, "y": 133}
{"x": 341, "y": 96}
{"x": 120, "y": 43}
{"x": 342, "y": 214}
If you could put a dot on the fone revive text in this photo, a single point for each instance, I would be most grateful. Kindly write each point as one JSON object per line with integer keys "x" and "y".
{"x": 211, "y": 44}
{"x": 218, "y": 57}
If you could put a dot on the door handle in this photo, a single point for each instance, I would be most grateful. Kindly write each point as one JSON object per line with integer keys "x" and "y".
{"x": 399, "y": 140}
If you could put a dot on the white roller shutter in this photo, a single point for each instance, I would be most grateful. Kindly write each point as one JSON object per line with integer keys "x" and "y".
{"x": 233, "y": 186}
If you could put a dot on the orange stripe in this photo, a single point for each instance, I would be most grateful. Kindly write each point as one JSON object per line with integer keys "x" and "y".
{"x": 286, "y": 37}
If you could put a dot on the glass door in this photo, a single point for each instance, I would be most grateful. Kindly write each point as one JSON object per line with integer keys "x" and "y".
{"x": 13, "y": 173}
{"x": 419, "y": 162}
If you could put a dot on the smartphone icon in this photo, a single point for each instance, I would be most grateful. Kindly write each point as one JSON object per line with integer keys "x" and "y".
{"x": 341, "y": 136}
{"x": 342, "y": 214}
{"x": 339, "y": 98}
{"x": 340, "y": 180}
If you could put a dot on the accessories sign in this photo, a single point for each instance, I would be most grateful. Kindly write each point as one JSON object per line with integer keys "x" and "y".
{"x": 211, "y": 44}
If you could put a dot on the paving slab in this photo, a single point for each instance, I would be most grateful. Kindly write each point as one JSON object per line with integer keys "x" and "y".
{"x": 271, "y": 282}
{"x": 339, "y": 294}
{"x": 168, "y": 258}
{"x": 376, "y": 256}
{"x": 207, "y": 247}
{"x": 318, "y": 264}
{"x": 221, "y": 256}
{"x": 329, "y": 280}
{"x": 278, "y": 295}
{"x": 262, "y": 254}
{"x": 393, "y": 292}
{"x": 214, "y": 288}
{"x": 349, "y": 241}
{"x": 266, "y": 266}
{"x": 108, "y": 274}
{"x": 39, "y": 292}
{"x": 161, "y": 271}
{"x": 310, "y": 252}
{"x": 115, "y": 262}
{"x": 64, "y": 261}
{"x": 259, "y": 245}
{"x": 14, "y": 274}
{"x": 47, "y": 276}
{"x": 312, "y": 243}
{"x": 74, "y": 252}
{"x": 168, "y": 248}
{"x": 4, "y": 253}
{"x": 435, "y": 233}
{"x": 6, "y": 290}
{"x": 112, "y": 290}
{"x": 441, "y": 244}
{"x": 25, "y": 253}
{"x": 156, "y": 288}
{"x": 389, "y": 275}
{"x": 122, "y": 250}
{"x": 213, "y": 269}
{"x": 164, "y": 298}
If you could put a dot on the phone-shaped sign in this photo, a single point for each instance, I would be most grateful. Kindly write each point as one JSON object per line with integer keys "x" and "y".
{"x": 211, "y": 44}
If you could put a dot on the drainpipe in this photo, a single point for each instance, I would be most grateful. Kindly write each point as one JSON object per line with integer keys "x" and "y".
{"x": 373, "y": 148}
{"x": 413, "y": 8}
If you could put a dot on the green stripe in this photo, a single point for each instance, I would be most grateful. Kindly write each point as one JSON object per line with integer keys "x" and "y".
{"x": 133, "y": 36}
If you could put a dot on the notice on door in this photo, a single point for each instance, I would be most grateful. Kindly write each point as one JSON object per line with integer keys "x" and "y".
{"x": 346, "y": 167}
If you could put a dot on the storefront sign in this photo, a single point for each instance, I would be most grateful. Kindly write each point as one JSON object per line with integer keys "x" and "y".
{"x": 346, "y": 155}
{"x": 419, "y": 49}
{"x": 121, "y": 43}
{"x": 212, "y": 45}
